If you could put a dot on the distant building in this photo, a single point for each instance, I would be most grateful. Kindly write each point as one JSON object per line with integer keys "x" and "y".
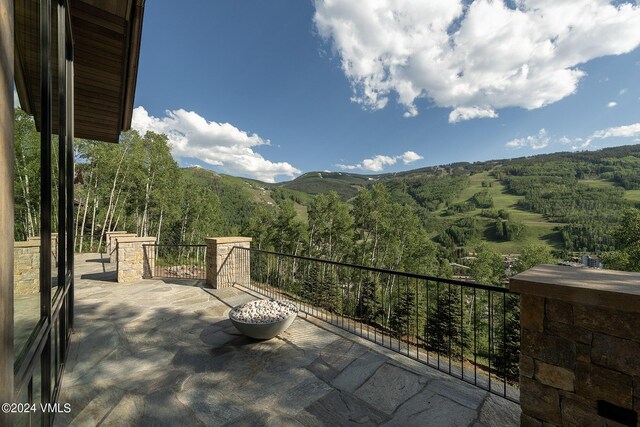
{"x": 571, "y": 264}
{"x": 459, "y": 269}
{"x": 591, "y": 261}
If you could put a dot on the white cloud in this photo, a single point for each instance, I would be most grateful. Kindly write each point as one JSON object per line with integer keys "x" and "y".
{"x": 612, "y": 104}
{"x": 622, "y": 91}
{"x": 468, "y": 113}
{"x": 534, "y": 142}
{"x": 378, "y": 163}
{"x": 473, "y": 58}
{"x": 217, "y": 144}
{"x": 542, "y": 139}
{"x": 410, "y": 157}
{"x": 628, "y": 131}
{"x": 581, "y": 144}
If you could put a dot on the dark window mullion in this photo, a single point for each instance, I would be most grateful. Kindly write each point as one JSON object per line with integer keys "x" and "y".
{"x": 63, "y": 214}
{"x": 45, "y": 194}
{"x": 69, "y": 181}
{"x": 70, "y": 170}
{"x": 62, "y": 140}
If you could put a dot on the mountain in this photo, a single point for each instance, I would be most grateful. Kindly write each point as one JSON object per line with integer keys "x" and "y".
{"x": 570, "y": 200}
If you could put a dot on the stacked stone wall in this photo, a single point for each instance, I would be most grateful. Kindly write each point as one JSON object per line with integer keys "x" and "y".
{"x": 26, "y": 267}
{"x": 132, "y": 262}
{"x": 54, "y": 246}
{"x": 111, "y": 240}
{"x": 580, "y": 362}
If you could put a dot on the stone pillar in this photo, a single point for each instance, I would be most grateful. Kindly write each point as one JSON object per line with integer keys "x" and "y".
{"x": 54, "y": 246}
{"x": 26, "y": 267}
{"x": 110, "y": 242}
{"x": 225, "y": 266}
{"x": 580, "y": 346}
{"x": 131, "y": 262}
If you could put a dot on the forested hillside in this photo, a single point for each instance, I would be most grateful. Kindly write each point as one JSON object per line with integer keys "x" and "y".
{"x": 417, "y": 221}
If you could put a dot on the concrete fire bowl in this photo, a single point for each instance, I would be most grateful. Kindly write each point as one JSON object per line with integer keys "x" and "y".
{"x": 263, "y": 319}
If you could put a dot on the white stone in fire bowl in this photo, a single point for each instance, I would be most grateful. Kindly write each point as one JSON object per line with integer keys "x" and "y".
{"x": 263, "y": 319}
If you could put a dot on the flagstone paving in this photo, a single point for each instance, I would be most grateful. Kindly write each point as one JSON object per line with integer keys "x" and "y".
{"x": 163, "y": 353}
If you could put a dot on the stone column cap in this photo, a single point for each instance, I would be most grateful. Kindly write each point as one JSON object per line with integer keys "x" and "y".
{"x": 221, "y": 240}
{"x": 117, "y": 232}
{"x": 135, "y": 239}
{"x": 27, "y": 244}
{"x": 604, "y": 288}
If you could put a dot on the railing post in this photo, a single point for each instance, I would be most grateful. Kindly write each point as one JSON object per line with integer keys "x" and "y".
{"x": 580, "y": 346}
{"x": 226, "y": 267}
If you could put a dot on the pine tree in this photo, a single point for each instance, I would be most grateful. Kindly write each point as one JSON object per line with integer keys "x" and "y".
{"x": 366, "y": 305}
{"x": 406, "y": 314}
{"x": 507, "y": 335}
{"x": 444, "y": 331}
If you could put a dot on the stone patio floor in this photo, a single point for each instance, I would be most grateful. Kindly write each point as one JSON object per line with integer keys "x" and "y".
{"x": 163, "y": 353}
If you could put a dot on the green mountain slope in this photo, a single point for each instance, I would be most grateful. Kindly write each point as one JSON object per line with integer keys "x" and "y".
{"x": 569, "y": 201}
{"x": 346, "y": 185}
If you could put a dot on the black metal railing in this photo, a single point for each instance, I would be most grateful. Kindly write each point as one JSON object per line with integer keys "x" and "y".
{"x": 468, "y": 330}
{"x": 175, "y": 261}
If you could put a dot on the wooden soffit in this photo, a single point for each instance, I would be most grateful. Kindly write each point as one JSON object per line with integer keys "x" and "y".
{"x": 106, "y": 38}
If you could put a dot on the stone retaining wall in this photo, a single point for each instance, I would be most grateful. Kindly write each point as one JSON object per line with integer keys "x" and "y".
{"x": 226, "y": 267}
{"x": 580, "y": 346}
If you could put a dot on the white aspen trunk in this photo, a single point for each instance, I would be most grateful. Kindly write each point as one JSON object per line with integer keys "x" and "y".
{"x": 75, "y": 235}
{"x": 113, "y": 190}
{"x": 313, "y": 231}
{"x": 115, "y": 225}
{"x": 147, "y": 197}
{"x": 115, "y": 205}
{"x": 375, "y": 246}
{"x": 191, "y": 236}
{"x": 27, "y": 220}
{"x": 183, "y": 229}
{"x": 93, "y": 219}
{"x": 86, "y": 207}
{"x": 193, "y": 230}
{"x": 331, "y": 238}
{"x": 113, "y": 211}
{"x": 144, "y": 211}
{"x": 365, "y": 239}
{"x": 120, "y": 214}
{"x": 390, "y": 287}
{"x": 24, "y": 184}
{"x": 159, "y": 226}
{"x": 137, "y": 220}
{"x": 35, "y": 215}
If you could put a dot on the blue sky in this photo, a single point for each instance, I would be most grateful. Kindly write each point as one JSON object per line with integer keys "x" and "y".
{"x": 273, "y": 89}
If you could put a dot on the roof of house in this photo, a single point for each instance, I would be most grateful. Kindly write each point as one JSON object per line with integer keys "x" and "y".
{"x": 106, "y": 38}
